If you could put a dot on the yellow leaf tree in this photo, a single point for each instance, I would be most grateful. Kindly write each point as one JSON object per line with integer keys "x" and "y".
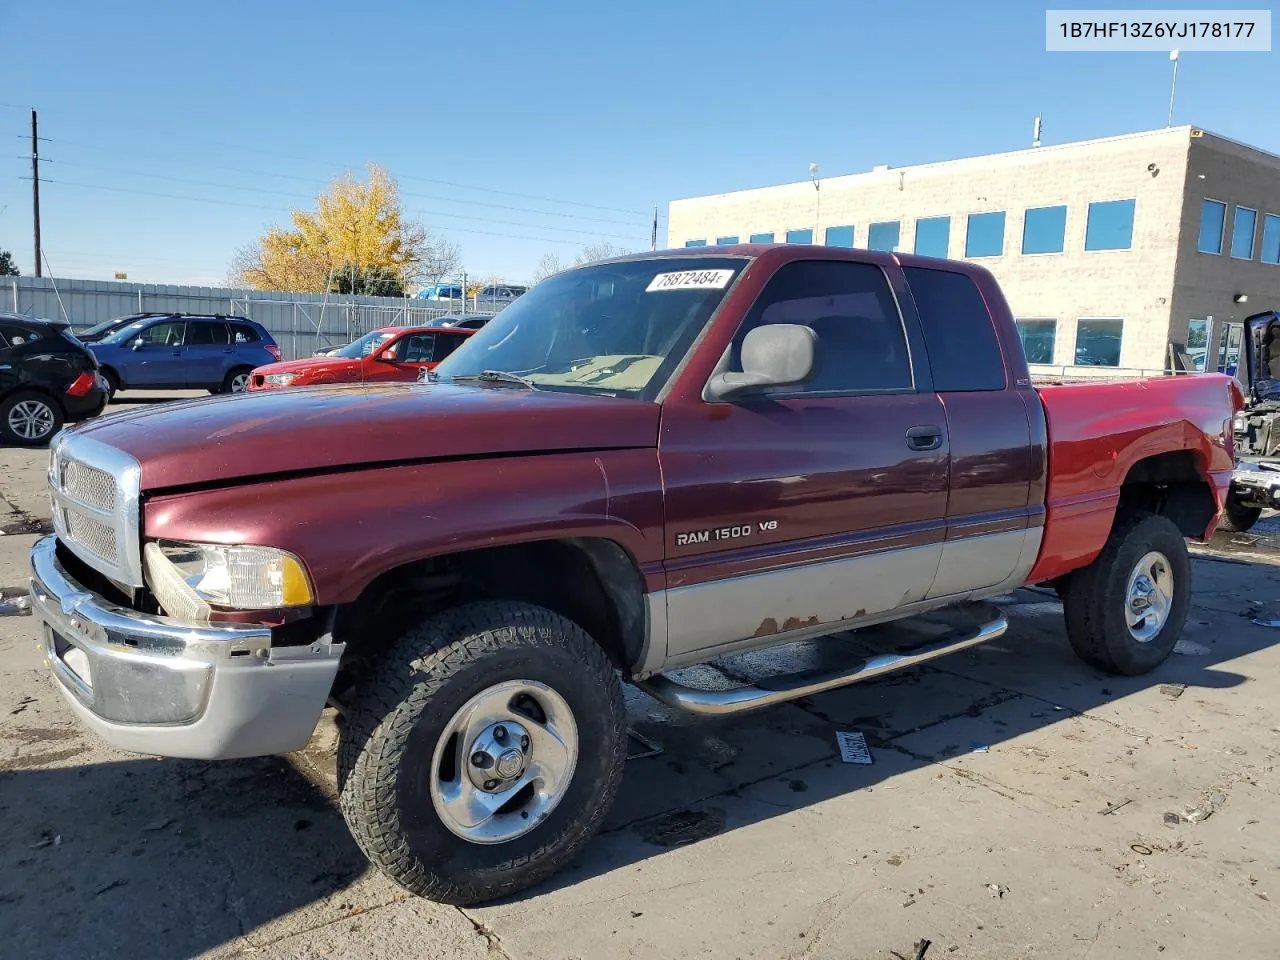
{"x": 356, "y": 240}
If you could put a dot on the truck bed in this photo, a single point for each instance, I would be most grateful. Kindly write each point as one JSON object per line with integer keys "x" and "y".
{"x": 1098, "y": 430}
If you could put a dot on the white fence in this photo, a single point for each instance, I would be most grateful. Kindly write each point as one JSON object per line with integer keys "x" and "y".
{"x": 300, "y": 322}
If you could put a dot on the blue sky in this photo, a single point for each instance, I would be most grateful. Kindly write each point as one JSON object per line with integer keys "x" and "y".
{"x": 521, "y": 128}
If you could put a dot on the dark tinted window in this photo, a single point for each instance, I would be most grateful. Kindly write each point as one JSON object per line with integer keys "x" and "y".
{"x": 415, "y": 348}
{"x": 445, "y": 344}
{"x": 244, "y": 333}
{"x": 861, "y": 345}
{"x": 207, "y": 333}
{"x": 15, "y": 336}
{"x": 964, "y": 353}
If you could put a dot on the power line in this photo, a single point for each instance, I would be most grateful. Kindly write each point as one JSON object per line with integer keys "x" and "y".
{"x": 446, "y": 183}
{"x": 417, "y": 196}
{"x": 258, "y": 206}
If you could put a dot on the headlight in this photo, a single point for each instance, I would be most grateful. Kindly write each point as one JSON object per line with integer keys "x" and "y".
{"x": 189, "y": 578}
{"x": 280, "y": 379}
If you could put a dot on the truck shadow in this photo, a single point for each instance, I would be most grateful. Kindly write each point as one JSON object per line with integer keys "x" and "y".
{"x": 716, "y": 775}
{"x": 165, "y": 858}
{"x": 177, "y": 857}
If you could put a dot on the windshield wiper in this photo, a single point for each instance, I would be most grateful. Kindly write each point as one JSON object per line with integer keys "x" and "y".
{"x": 496, "y": 376}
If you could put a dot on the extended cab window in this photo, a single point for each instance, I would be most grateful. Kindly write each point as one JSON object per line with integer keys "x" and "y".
{"x": 446, "y": 343}
{"x": 860, "y": 346}
{"x": 964, "y": 353}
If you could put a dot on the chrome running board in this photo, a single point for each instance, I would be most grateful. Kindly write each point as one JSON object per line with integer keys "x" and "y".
{"x": 742, "y": 699}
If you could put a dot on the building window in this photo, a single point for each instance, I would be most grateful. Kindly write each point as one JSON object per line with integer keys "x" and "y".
{"x": 1229, "y": 348}
{"x": 1110, "y": 225}
{"x": 1044, "y": 230}
{"x": 884, "y": 236}
{"x": 1198, "y": 343}
{"x": 799, "y": 236}
{"x": 933, "y": 236}
{"x": 726, "y": 241}
{"x": 1213, "y": 218}
{"x": 1242, "y": 232}
{"x": 839, "y": 236}
{"x": 695, "y": 243}
{"x": 1271, "y": 238}
{"x": 762, "y": 238}
{"x": 1038, "y": 338}
{"x": 1098, "y": 342}
{"x": 984, "y": 236}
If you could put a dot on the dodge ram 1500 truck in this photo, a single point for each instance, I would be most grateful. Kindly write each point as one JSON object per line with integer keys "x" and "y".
{"x": 641, "y": 464}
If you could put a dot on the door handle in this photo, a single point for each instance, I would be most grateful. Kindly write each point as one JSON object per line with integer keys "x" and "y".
{"x": 924, "y": 438}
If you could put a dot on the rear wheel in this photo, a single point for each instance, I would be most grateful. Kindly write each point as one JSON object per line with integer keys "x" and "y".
{"x": 113, "y": 383}
{"x": 483, "y": 752}
{"x": 1125, "y": 611}
{"x": 1236, "y": 517}
{"x": 29, "y": 419}
{"x": 236, "y": 381}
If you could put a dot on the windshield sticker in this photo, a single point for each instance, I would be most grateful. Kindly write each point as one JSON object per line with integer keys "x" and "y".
{"x": 690, "y": 280}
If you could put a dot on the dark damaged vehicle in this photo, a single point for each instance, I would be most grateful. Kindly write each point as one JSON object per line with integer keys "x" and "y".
{"x": 640, "y": 465}
{"x": 1255, "y": 485}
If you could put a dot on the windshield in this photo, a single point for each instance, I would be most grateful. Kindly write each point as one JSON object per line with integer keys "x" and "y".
{"x": 124, "y": 333}
{"x": 104, "y": 326}
{"x": 613, "y": 328}
{"x": 364, "y": 346}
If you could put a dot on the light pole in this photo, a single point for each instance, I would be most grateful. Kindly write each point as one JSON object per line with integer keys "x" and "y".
{"x": 1173, "y": 87}
{"x": 817, "y": 187}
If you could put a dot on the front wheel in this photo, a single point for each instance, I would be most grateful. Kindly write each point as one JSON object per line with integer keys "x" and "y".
{"x": 1236, "y": 517}
{"x": 1125, "y": 610}
{"x": 483, "y": 752}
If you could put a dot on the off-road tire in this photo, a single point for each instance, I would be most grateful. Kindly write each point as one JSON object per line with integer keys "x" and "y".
{"x": 7, "y": 405}
{"x": 1094, "y": 598}
{"x": 399, "y": 710}
{"x": 1236, "y": 517}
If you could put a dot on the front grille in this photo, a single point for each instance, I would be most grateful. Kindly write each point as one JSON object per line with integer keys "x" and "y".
{"x": 95, "y": 492}
{"x": 89, "y": 485}
{"x": 95, "y": 536}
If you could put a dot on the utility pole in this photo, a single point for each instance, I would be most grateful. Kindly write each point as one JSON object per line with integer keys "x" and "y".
{"x": 653, "y": 237}
{"x": 35, "y": 186}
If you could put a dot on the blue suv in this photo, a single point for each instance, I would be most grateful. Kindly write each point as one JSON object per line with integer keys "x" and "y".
{"x": 183, "y": 352}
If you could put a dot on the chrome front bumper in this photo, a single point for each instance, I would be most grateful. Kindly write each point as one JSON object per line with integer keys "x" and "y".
{"x": 1257, "y": 483}
{"x": 154, "y": 685}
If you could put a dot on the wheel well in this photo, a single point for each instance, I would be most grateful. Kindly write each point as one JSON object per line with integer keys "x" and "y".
{"x": 593, "y": 582}
{"x": 36, "y": 388}
{"x": 109, "y": 371}
{"x": 1172, "y": 485}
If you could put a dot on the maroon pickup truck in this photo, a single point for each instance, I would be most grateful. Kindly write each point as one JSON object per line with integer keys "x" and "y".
{"x": 641, "y": 464}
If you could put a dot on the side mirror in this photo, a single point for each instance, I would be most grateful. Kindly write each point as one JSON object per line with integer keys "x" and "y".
{"x": 137, "y": 344}
{"x": 385, "y": 356}
{"x": 775, "y": 355}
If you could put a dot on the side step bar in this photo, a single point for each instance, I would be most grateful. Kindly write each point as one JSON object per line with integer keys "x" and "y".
{"x": 742, "y": 699}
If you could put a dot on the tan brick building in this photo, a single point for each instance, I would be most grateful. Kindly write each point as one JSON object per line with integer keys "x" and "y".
{"x": 1107, "y": 249}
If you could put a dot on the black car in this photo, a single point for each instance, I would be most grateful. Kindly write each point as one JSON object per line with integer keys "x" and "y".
{"x": 47, "y": 378}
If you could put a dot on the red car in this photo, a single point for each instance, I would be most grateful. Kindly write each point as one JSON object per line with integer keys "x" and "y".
{"x": 388, "y": 354}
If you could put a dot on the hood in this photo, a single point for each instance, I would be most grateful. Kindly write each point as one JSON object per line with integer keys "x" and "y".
{"x": 336, "y": 367}
{"x": 284, "y": 431}
{"x": 1256, "y": 356}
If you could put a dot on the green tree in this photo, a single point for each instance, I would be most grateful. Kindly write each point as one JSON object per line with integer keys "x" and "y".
{"x": 7, "y": 266}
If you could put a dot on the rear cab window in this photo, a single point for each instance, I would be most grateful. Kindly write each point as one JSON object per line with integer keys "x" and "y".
{"x": 959, "y": 335}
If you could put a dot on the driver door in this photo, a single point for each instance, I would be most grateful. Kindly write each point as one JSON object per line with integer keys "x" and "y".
{"x": 156, "y": 356}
